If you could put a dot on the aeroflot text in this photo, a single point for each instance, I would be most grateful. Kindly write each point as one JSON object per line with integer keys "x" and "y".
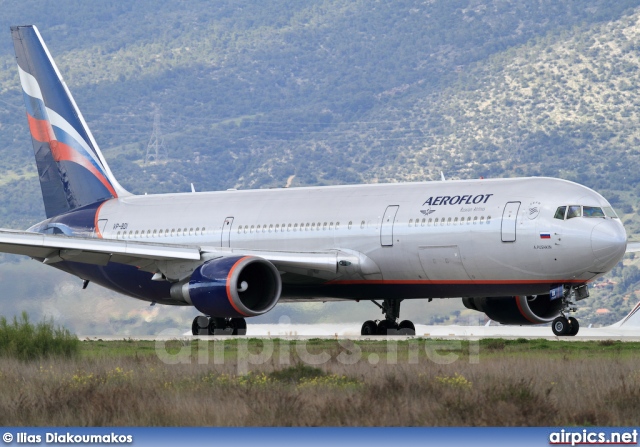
{"x": 457, "y": 200}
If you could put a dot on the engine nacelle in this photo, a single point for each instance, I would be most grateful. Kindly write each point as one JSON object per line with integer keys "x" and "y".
{"x": 517, "y": 310}
{"x": 234, "y": 286}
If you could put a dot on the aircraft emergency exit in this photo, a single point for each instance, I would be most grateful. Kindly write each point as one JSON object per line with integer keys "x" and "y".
{"x": 520, "y": 250}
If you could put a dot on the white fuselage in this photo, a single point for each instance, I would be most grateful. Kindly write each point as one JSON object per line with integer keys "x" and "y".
{"x": 509, "y": 236}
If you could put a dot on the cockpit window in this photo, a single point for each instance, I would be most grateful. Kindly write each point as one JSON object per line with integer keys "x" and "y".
{"x": 609, "y": 212}
{"x": 574, "y": 211}
{"x": 560, "y": 212}
{"x": 592, "y": 211}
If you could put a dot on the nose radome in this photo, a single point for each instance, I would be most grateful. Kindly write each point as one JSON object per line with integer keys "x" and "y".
{"x": 608, "y": 242}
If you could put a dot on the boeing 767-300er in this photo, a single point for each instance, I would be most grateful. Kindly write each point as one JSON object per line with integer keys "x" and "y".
{"x": 520, "y": 250}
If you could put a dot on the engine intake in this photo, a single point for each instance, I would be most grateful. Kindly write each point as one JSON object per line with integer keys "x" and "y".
{"x": 235, "y": 286}
{"x": 517, "y": 310}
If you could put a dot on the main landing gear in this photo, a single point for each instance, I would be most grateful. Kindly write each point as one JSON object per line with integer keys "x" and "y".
{"x": 203, "y": 325}
{"x": 388, "y": 326}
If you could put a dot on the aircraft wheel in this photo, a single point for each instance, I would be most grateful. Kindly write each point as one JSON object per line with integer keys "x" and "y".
{"x": 560, "y": 326}
{"x": 200, "y": 325}
{"x": 406, "y": 327}
{"x": 385, "y": 327}
{"x": 369, "y": 328}
{"x": 574, "y": 326}
{"x": 239, "y": 326}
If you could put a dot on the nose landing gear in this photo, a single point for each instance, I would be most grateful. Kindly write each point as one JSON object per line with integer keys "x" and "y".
{"x": 203, "y": 325}
{"x": 563, "y": 326}
{"x": 388, "y": 326}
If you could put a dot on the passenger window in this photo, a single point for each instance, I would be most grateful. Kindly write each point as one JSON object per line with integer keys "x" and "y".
{"x": 289, "y": 227}
{"x": 295, "y": 227}
{"x": 423, "y": 221}
{"x": 324, "y": 226}
{"x": 429, "y": 222}
{"x": 488, "y": 220}
{"x": 331, "y": 225}
{"x": 190, "y": 231}
{"x": 475, "y": 219}
{"x": 318, "y": 227}
{"x": 198, "y": 229}
{"x": 481, "y": 220}
{"x": 560, "y": 212}
{"x": 118, "y": 235}
{"x": 449, "y": 221}
{"x": 202, "y": 230}
{"x": 306, "y": 227}
{"x": 173, "y": 232}
{"x": 277, "y": 228}
{"x": 313, "y": 226}
{"x": 455, "y": 221}
{"x": 154, "y": 233}
{"x": 410, "y": 222}
{"x": 349, "y": 226}
{"x": 136, "y": 233}
{"x": 337, "y": 225}
{"x": 574, "y": 211}
{"x": 442, "y": 221}
{"x": 160, "y": 232}
{"x": 435, "y": 222}
{"x": 282, "y": 228}
{"x": 271, "y": 228}
{"x": 362, "y": 225}
{"x": 469, "y": 220}
{"x": 251, "y": 229}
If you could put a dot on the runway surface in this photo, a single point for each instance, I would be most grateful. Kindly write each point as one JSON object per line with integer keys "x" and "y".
{"x": 352, "y": 332}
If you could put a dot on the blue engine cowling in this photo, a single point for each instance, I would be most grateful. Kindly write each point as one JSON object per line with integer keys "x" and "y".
{"x": 234, "y": 286}
{"x": 517, "y": 310}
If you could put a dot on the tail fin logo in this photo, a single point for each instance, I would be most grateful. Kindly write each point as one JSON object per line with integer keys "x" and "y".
{"x": 47, "y": 126}
{"x": 73, "y": 172}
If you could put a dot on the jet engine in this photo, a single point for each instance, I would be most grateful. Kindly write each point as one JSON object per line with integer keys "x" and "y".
{"x": 234, "y": 286}
{"x": 517, "y": 310}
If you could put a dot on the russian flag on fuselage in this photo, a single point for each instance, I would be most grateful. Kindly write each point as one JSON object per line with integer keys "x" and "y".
{"x": 72, "y": 173}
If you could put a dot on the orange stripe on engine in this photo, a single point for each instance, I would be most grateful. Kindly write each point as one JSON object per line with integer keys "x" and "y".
{"x": 522, "y": 312}
{"x": 229, "y": 286}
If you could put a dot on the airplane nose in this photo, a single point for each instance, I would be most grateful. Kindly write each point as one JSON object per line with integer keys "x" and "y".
{"x": 608, "y": 242}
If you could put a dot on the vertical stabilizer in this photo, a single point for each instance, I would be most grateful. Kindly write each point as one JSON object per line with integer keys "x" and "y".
{"x": 631, "y": 320}
{"x": 73, "y": 172}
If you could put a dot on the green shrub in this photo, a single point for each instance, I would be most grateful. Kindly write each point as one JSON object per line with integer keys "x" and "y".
{"x": 26, "y": 341}
{"x": 297, "y": 373}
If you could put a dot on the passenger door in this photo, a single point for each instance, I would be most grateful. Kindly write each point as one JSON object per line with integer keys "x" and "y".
{"x": 386, "y": 229}
{"x": 225, "y": 240}
{"x": 509, "y": 221}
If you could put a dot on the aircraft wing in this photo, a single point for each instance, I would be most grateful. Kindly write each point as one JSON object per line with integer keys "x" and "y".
{"x": 146, "y": 255}
{"x": 54, "y": 248}
{"x": 632, "y": 247}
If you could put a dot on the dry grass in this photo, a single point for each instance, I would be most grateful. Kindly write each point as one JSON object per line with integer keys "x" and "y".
{"x": 504, "y": 388}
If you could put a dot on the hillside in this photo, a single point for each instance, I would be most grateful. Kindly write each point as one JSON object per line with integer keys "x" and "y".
{"x": 258, "y": 94}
